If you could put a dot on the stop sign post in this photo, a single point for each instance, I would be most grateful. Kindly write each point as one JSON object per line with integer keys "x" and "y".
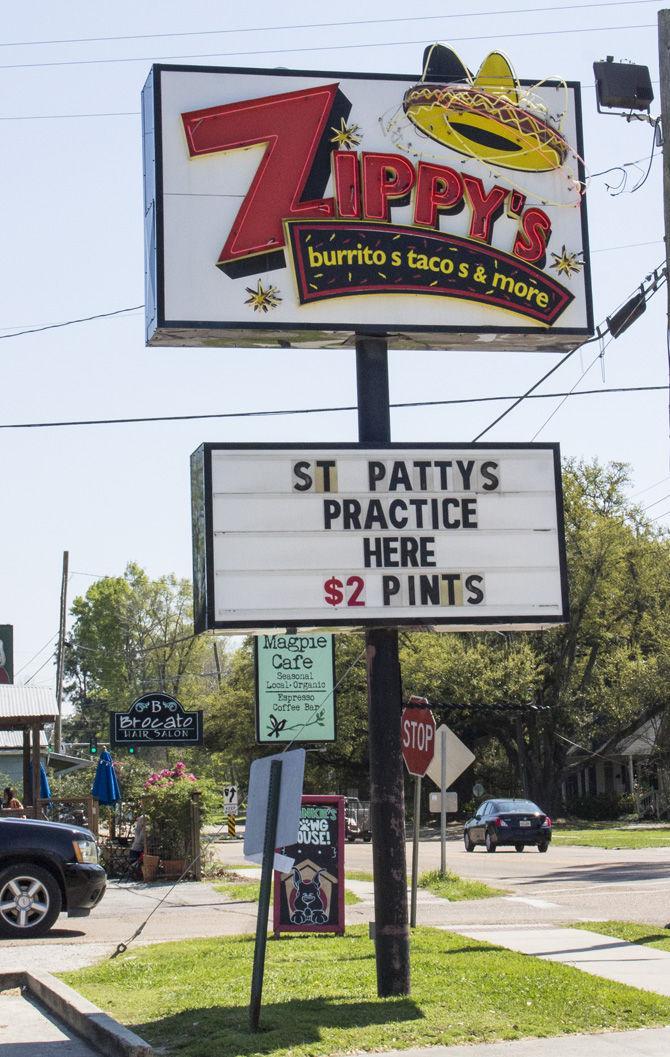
{"x": 417, "y": 725}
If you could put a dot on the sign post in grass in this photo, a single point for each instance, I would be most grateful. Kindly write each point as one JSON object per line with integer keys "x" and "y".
{"x": 264, "y": 895}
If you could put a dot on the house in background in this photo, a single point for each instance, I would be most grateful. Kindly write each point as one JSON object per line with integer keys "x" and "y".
{"x": 636, "y": 760}
{"x": 11, "y": 757}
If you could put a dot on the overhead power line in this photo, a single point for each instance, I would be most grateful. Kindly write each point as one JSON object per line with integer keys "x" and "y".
{"x": 36, "y": 655}
{"x": 69, "y": 322}
{"x": 138, "y": 420}
{"x": 237, "y": 54}
{"x": 323, "y": 25}
{"x": 654, "y": 279}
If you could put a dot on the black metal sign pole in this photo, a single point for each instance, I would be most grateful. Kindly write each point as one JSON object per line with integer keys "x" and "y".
{"x": 269, "y": 844}
{"x": 387, "y": 789}
{"x": 415, "y": 849}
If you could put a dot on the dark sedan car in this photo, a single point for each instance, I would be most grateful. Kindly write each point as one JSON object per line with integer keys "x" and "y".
{"x": 46, "y": 868}
{"x": 513, "y": 823}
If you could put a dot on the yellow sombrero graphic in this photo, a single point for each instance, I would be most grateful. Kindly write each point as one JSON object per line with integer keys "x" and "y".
{"x": 483, "y": 116}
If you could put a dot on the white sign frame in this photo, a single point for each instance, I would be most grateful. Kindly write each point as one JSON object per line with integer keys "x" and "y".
{"x": 541, "y": 544}
{"x": 194, "y": 298}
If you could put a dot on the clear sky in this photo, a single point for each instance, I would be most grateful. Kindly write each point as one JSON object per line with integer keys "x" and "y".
{"x": 72, "y": 246}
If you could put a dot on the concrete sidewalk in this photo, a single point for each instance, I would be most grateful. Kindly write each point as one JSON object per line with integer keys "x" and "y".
{"x": 628, "y": 963}
{"x": 27, "y": 1030}
{"x": 649, "y": 1042}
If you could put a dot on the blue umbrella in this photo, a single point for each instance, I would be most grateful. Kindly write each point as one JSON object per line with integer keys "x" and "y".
{"x": 45, "y": 791}
{"x": 105, "y": 786}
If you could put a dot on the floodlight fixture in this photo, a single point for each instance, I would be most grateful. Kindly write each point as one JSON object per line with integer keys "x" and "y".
{"x": 623, "y": 86}
{"x": 625, "y": 316}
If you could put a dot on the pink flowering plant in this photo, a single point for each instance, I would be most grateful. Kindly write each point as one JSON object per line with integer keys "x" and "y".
{"x": 167, "y": 799}
{"x": 168, "y": 777}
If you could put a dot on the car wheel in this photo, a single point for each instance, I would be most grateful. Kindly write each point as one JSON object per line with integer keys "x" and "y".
{"x": 30, "y": 901}
{"x": 519, "y": 847}
{"x": 468, "y": 842}
{"x": 490, "y": 842}
{"x": 543, "y": 846}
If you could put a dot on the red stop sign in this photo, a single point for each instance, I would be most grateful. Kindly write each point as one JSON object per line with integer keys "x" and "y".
{"x": 417, "y": 727}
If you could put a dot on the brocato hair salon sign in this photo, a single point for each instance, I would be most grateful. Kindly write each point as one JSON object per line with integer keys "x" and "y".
{"x": 156, "y": 719}
{"x": 298, "y": 207}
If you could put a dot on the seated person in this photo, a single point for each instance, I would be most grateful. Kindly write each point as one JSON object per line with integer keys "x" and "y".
{"x": 10, "y": 801}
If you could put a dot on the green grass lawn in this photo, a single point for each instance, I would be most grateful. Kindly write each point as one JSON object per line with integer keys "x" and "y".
{"x": 451, "y": 886}
{"x": 613, "y": 837}
{"x": 649, "y": 935}
{"x": 320, "y": 996}
{"x": 359, "y": 875}
{"x": 247, "y": 891}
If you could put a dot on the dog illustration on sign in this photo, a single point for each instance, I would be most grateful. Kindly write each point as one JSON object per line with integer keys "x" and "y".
{"x": 309, "y": 890}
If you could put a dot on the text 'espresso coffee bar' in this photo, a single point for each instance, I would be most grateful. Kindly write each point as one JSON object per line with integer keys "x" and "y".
{"x": 468, "y": 534}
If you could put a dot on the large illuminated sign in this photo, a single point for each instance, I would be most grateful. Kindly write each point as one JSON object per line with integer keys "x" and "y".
{"x": 302, "y": 208}
{"x": 469, "y": 536}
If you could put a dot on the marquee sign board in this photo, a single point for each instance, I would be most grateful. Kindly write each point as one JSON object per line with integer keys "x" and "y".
{"x": 469, "y": 536}
{"x": 304, "y": 208}
{"x": 156, "y": 719}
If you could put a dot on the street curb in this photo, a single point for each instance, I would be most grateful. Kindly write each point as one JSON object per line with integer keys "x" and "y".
{"x": 98, "y": 1028}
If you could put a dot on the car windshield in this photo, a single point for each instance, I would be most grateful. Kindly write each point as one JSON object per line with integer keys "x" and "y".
{"x": 515, "y": 806}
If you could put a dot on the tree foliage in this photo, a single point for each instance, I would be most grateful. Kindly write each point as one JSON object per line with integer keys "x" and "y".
{"x": 131, "y": 635}
{"x": 536, "y": 694}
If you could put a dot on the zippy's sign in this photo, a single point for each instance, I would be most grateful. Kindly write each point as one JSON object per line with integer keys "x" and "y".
{"x": 286, "y": 207}
{"x": 465, "y": 535}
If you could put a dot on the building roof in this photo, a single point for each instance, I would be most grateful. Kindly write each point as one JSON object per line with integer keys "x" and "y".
{"x": 20, "y": 706}
{"x": 13, "y": 740}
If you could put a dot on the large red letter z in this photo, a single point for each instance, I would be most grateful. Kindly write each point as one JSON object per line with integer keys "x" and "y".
{"x": 292, "y": 125}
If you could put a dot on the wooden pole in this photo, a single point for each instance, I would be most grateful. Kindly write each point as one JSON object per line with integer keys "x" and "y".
{"x": 387, "y": 777}
{"x": 36, "y": 767}
{"x": 664, "y": 92}
{"x": 60, "y": 661}
{"x": 26, "y": 764}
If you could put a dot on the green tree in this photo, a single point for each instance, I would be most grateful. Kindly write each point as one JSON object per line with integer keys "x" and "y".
{"x": 536, "y": 694}
{"x": 131, "y": 635}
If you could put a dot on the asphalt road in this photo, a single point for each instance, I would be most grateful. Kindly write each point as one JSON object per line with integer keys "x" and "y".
{"x": 566, "y": 884}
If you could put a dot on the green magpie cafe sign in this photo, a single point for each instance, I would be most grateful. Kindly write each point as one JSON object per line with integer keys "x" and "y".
{"x": 295, "y": 688}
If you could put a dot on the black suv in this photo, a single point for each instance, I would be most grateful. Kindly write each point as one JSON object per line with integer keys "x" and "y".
{"x": 46, "y": 868}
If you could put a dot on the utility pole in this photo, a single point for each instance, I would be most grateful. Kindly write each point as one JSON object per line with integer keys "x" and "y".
{"x": 60, "y": 661}
{"x": 664, "y": 74}
{"x": 387, "y": 777}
